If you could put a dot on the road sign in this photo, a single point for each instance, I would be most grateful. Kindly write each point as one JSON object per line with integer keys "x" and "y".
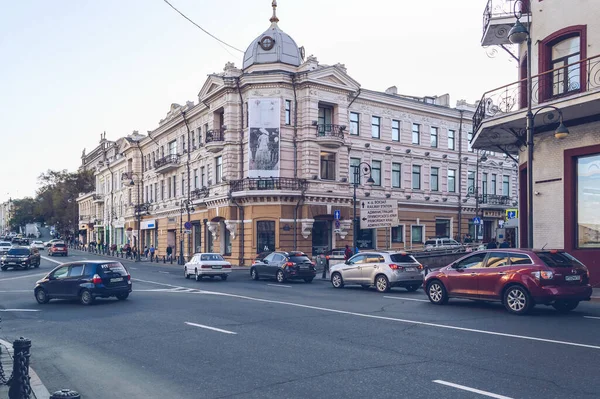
{"x": 477, "y": 220}
{"x": 337, "y": 224}
{"x": 187, "y": 231}
{"x": 337, "y": 215}
{"x": 378, "y": 213}
{"x": 512, "y": 213}
{"x": 187, "y": 225}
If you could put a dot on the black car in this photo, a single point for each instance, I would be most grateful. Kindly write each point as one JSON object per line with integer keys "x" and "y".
{"x": 20, "y": 257}
{"x": 85, "y": 281}
{"x": 284, "y": 266}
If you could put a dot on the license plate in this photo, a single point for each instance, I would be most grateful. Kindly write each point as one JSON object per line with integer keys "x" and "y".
{"x": 116, "y": 280}
{"x": 411, "y": 269}
{"x": 572, "y": 278}
{"x": 217, "y": 267}
{"x": 304, "y": 266}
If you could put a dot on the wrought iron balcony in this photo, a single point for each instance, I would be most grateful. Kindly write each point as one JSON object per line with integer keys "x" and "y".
{"x": 493, "y": 199}
{"x": 498, "y": 18}
{"x": 575, "y": 78}
{"x": 268, "y": 183}
{"x": 166, "y": 163}
{"x": 215, "y": 140}
{"x": 330, "y": 135}
{"x": 200, "y": 193}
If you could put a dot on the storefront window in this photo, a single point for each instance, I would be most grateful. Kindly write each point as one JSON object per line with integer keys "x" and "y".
{"x": 265, "y": 236}
{"x": 442, "y": 227}
{"x": 197, "y": 238}
{"x": 365, "y": 239}
{"x": 588, "y": 201}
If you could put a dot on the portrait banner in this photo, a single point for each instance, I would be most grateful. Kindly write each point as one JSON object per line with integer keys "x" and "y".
{"x": 264, "y": 118}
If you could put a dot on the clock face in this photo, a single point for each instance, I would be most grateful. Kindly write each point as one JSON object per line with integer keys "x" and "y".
{"x": 267, "y": 43}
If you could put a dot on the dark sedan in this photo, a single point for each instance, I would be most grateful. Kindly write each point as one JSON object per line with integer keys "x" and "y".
{"x": 20, "y": 257}
{"x": 85, "y": 281}
{"x": 284, "y": 266}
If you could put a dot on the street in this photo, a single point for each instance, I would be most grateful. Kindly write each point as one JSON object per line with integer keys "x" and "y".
{"x": 178, "y": 338}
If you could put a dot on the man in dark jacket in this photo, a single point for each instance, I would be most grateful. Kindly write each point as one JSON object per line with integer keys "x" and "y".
{"x": 348, "y": 253}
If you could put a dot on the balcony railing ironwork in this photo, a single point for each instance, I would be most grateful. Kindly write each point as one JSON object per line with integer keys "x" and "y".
{"x": 502, "y": 8}
{"x": 561, "y": 82}
{"x": 269, "y": 183}
{"x": 215, "y": 136}
{"x": 200, "y": 193}
{"x": 172, "y": 159}
{"x": 329, "y": 130}
{"x": 494, "y": 199}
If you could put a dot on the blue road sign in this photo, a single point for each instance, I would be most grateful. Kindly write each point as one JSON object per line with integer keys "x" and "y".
{"x": 337, "y": 215}
{"x": 187, "y": 225}
{"x": 476, "y": 220}
{"x": 511, "y": 214}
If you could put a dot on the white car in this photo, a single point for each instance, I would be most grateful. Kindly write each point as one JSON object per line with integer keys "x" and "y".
{"x": 443, "y": 244}
{"x": 4, "y": 247}
{"x": 207, "y": 264}
{"x": 37, "y": 245}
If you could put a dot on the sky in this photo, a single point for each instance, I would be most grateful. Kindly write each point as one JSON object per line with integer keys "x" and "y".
{"x": 72, "y": 69}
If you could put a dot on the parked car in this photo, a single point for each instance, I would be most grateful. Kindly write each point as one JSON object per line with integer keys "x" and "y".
{"x": 261, "y": 255}
{"x": 4, "y": 247}
{"x": 39, "y": 245}
{"x": 48, "y": 244}
{"x": 207, "y": 264}
{"x": 20, "y": 257}
{"x": 443, "y": 244}
{"x": 335, "y": 256}
{"x": 284, "y": 266}
{"x": 382, "y": 269}
{"x": 58, "y": 248}
{"x": 520, "y": 279}
{"x": 85, "y": 281}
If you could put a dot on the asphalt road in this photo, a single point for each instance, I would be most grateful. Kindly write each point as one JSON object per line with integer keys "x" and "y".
{"x": 178, "y": 338}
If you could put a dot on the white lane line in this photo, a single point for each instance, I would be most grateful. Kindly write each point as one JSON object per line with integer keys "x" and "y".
{"x": 52, "y": 260}
{"x": 407, "y": 299}
{"x": 8, "y": 292}
{"x": 370, "y": 316}
{"x": 592, "y": 317}
{"x": 157, "y": 283}
{"x": 279, "y": 285}
{"x": 478, "y": 391}
{"x": 133, "y": 268}
{"x": 19, "y": 310}
{"x": 20, "y": 277}
{"x": 210, "y": 328}
{"x": 164, "y": 272}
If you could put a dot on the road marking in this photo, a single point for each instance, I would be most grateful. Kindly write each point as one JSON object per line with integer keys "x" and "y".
{"x": 407, "y": 299}
{"x": 52, "y": 260}
{"x": 7, "y": 292}
{"x": 157, "y": 283}
{"x": 280, "y": 285}
{"x": 19, "y": 310}
{"x": 133, "y": 268}
{"x": 164, "y": 272}
{"x": 478, "y": 391}
{"x": 20, "y": 277}
{"x": 592, "y": 317}
{"x": 210, "y": 328}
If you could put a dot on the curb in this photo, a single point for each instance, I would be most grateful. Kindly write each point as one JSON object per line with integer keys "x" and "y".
{"x": 37, "y": 386}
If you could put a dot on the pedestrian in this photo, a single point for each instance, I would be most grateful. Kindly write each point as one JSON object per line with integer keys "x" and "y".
{"x": 169, "y": 252}
{"x": 135, "y": 251}
{"x": 152, "y": 250}
{"x": 348, "y": 252}
{"x": 492, "y": 245}
{"x": 145, "y": 251}
{"x": 127, "y": 251}
{"x": 325, "y": 261}
{"x": 504, "y": 244}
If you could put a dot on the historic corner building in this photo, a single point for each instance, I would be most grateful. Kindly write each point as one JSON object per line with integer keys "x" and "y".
{"x": 267, "y": 155}
{"x": 565, "y": 81}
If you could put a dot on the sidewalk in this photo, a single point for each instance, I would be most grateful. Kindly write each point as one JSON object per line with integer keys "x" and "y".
{"x": 38, "y": 389}
{"x": 7, "y": 363}
{"x": 596, "y": 295}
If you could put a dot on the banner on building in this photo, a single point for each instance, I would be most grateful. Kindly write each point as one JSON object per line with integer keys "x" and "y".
{"x": 264, "y": 118}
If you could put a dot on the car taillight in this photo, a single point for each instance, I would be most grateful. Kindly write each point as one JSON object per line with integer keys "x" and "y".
{"x": 394, "y": 266}
{"x": 227, "y": 267}
{"x": 205, "y": 267}
{"x": 96, "y": 279}
{"x": 289, "y": 264}
{"x": 327, "y": 257}
{"x": 128, "y": 277}
{"x": 543, "y": 275}
{"x": 314, "y": 263}
{"x": 420, "y": 267}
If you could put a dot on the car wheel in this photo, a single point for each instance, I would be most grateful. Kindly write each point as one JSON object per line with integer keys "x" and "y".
{"x": 224, "y": 277}
{"x": 86, "y": 298}
{"x": 280, "y": 276}
{"x": 185, "y": 273}
{"x": 412, "y": 288}
{"x": 254, "y": 274}
{"x": 198, "y": 276}
{"x": 3, "y": 268}
{"x": 382, "y": 283}
{"x": 41, "y": 296}
{"x": 517, "y": 300}
{"x": 123, "y": 296}
{"x": 565, "y": 306}
{"x": 437, "y": 293}
{"x": 336, "y": 280}
{"x": 308, "y": 280}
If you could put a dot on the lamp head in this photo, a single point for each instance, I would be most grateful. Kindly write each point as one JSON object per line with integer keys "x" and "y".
{"x": 370, "y": 181}
{"x": 561, "y": 131}
{"x": 518, "y": 33}
{"x": 484, "y": 158}
{"x": 132, "y": 183}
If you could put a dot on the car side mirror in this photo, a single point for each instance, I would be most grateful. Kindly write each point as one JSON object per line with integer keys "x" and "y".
{"x": 265, "y": 261}
{"x": 347, "y": 262}
{"x": 454, "y": 266}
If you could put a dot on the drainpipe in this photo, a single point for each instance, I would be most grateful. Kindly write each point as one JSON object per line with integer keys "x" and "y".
{"x": 295, "y": 140}
{"x": 140, "y": 241}
{"x": 239, "y": 207}
{"x": 460, "y": 175}
{"x": 112, "y": 205}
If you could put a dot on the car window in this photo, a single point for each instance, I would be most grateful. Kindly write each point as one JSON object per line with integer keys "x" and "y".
{"x": 89, "y": 270}
{"x": 112, "y": 268}
{"x": 557, "y": 259}
{"x": 374, "y": 258}
{"x": 519, "y": 259}
{"x": 18, "y": 251}
{"x": 214, "y": 257}
{"x": 278, "y": 258}
{"x": 269, "y": 257}
{"x": 430, "y": 242}
{"x": 299, "y": 259}
{"x": 454, "y": 242}
{"x": 76, "y": 271}
{"x": 497, "y": 259}
{"x": 357, "y": 259}
{"x": 60, "y": 273}
{"x": 402, "y": 258}
{"x": 59, "y": 245}
{"x": 475, "y": 260}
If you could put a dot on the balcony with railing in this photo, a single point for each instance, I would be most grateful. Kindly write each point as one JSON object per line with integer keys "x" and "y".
{"x": 166, "y": 163}
{"x": 495, "y": 201}
{"x": 215, "y": 140}
{"x": 499, "y": 120}
{"x": 499, "y": 17}
{"x": 329, "y": 135}
{"x": 268, "y": 184}
{"x": 98, "y": 198}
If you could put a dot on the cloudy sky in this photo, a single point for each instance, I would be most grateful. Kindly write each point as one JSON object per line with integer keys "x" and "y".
{"x": 72, "y": 69}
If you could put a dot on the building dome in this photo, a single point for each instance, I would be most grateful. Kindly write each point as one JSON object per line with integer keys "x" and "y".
{"x": 274, "y": 45}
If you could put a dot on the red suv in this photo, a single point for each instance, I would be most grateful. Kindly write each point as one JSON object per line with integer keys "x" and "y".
{"x": 58, "y": 249}
{"x": 520, "y": 279}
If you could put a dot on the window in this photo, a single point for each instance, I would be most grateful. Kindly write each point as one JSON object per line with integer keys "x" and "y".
{"x": 195, "y": 178}
{"x": 265, "y": 236}
{"x": 416, "y": 134}
{"x": 435, "y": 179}
{"x": 147, "y": 197}
{"x": 76, "y": 271}
{"x": 442, "y": 227}
{"x": 398, "y": 234}
{"x": 354, "y": 172}
{"x": 193, "y": 141}
{"x": 156, "y": 191}
{"x": 519, "y": 259}
{"x": 199, "y": 136}
{"x": 451, "y": 180}
{"x": 61, "y": 273}
{"x": 493, "y": 188}
{"x": 469, "y": 138}
{"x": 416, "y": 177}
{"x": 288, "y": 112}
{"x": 327, "y": 166}
{"x": 354, "y": 123}
{"x": 375, "y": 127}
{"x": 451, "y": 142}
{"x": 471, "y": 182}
{"x": 566, "y": 78}
{"x": 202, "y": 177}
{"x": 506, "y": 185}
{"x": 395, "y": 130}
{"x": 475, "y": 260}
{"x": 218, "y": 169}
{"x": 173, "y": 147}
{"x": 325, "y": 116}
{"x": 588, "y": 201}
{"x": 376, "y": 172}
{"x": 174, "y": 180}
{"x": 183, "y": 144}
{"x": 433, "y": 132}
{"x": 416, "y": 234}
{"x": 484, "y": 183}
{"x": 396, "y": 175}
{"x": 497, "y": 259}
{"x": 182, "y": 184}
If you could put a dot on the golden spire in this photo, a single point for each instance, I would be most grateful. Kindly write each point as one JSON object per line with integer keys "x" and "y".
{"x": 274, "y": 18}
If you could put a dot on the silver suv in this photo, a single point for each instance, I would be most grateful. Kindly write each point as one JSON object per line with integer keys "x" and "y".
{"x": 443, "y": 244}
{"x": 384, "y": 270}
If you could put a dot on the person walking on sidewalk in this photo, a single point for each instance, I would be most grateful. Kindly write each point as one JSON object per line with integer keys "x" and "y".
{"x": 169, "y": 252}
{"x": 152, "y": 250}
{"x": 348, "y": 253}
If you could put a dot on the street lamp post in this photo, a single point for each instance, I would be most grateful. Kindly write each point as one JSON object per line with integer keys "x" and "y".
{"x": 363, "y": 169}
{"x": 475, "y": 189}
{"x": 140, "y": 208}
{"x": 186, "y": 205}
